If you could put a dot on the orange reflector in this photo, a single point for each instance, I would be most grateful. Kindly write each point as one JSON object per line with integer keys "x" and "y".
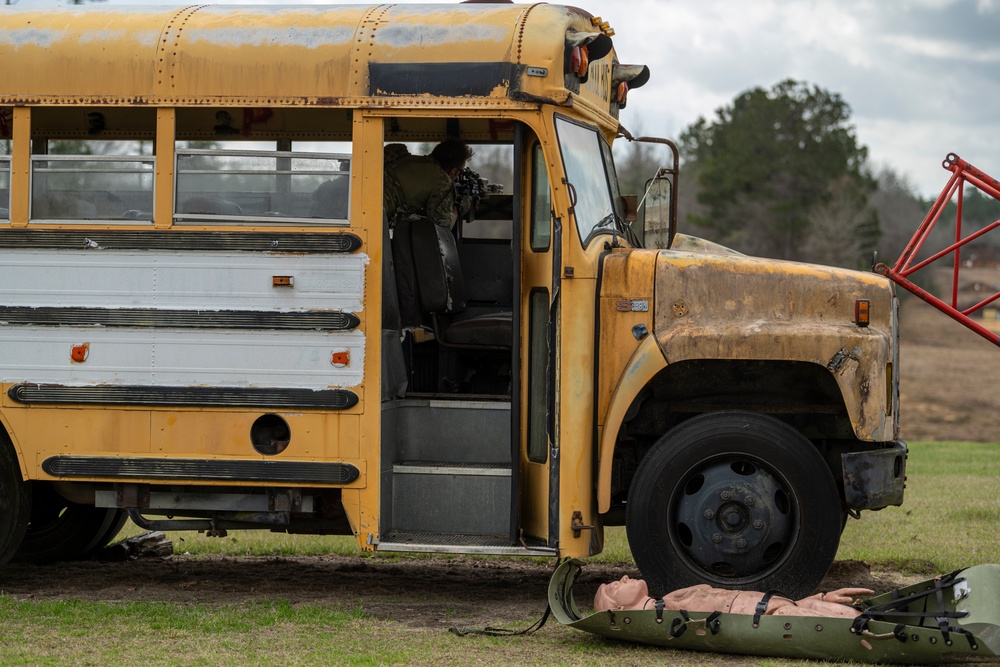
{"x": 341, "y": 358}
{"x": 622, "y": 93}
{"x": 861, "y": 312}
{"x": 79, "y": 353}
{"x": 580, "y": 61}
{"x": 282, "y": 281}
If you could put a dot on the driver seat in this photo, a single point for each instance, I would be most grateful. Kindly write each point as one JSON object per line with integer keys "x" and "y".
{"x": 442, "y": 293}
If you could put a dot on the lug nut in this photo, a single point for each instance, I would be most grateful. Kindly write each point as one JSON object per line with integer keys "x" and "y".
{"x": 749, "y": 500}
{"x": 758, "y": 524}
{"x": 741, "y": 543}
{"x": 725, "y": 495}
{"x": 709, "y": 514}
{"x": 717, "y": 538}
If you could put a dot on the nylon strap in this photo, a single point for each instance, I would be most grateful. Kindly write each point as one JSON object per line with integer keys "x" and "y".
{"x": 761, "y": 607}
{"x": 504, "y": 632}
{"x": 677, "y": 628}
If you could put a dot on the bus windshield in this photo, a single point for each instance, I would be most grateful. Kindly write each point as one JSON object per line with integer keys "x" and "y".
{"x": 587, "y": 168}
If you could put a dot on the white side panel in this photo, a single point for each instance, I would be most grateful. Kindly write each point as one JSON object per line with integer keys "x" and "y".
{"x": 181, "y": 280}
{"x": 180, "y": 357}
{"x": 189, "y": 281}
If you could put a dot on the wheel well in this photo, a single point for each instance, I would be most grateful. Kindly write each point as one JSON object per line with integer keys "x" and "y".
{"x": 7, "y": 440}
{"x": 802, "y": 394}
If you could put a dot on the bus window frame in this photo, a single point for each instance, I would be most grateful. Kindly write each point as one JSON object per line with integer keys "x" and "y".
{"x": 182, "y": 219}
{"x": 34, "y": 180}
{"x": 540, "y": 218}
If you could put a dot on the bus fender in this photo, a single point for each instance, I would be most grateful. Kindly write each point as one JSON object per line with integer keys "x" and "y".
{"x": 645, "y": 363}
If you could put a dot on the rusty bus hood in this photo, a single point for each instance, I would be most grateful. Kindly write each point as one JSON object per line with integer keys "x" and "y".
{"x": 714, "y": 303}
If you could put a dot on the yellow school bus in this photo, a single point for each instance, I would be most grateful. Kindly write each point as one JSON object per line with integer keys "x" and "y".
{"x": 207, "y": 324}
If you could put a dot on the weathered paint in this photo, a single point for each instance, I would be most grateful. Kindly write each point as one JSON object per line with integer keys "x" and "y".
{"x": 733, "y": 307}
{"x": 626, "y": 363}
{"x": 281, "y": 55}
{"x": 709, "y": 302}
{"x": 626, "y": 287}
{"x": 642, "y": 367}
{"x": 168, "y": 282}
{"x": 172, "y": 280}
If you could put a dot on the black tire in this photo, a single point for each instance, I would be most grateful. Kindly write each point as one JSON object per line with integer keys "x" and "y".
{"x": 735, "y": 500}
{"x": 61, "y": 530}
{"x": 15, "y": 501}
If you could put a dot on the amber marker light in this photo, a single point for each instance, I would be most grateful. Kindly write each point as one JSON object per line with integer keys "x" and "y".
{"x": 861, "y": 312}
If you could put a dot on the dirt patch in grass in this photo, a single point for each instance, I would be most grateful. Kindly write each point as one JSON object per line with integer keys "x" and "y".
{"x": 417, "y": 592}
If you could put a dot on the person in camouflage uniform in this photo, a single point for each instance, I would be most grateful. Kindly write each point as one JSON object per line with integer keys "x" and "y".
{"x": 425, "y": 184}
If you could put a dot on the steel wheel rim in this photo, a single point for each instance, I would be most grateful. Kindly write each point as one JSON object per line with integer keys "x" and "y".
{"x": 733, "y": 518}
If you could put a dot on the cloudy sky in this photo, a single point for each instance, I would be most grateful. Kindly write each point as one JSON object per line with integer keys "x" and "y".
{"x": 922, "y": 77}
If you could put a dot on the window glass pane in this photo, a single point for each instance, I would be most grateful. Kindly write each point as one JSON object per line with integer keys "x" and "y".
{"x": 584, "y": 164}
{"x": 92, "y": 187}
{"x": 4, "y": 187}
{"x": 541, "y": 204}
{"x": 609, "y": 169}
{"x": 538, "y": 358}
{"x": 245, "y": 186}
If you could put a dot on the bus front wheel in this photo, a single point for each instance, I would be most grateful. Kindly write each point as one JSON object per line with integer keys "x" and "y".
{"x": 736, "y": 500}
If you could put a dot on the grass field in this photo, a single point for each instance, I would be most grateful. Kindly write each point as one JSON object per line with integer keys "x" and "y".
{"x": 948, "y": 521}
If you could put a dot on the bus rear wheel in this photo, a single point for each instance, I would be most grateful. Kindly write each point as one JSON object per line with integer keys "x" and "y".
{"x": 15, "y": 501}
{"x": 736, "y": 500}
{"x": 61, "y": 530}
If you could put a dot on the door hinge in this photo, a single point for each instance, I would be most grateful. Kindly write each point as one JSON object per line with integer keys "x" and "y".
{"x": 576, "y": 523}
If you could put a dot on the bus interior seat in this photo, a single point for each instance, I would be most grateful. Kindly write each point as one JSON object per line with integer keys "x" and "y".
{"x": 330, "y": 199}
{"x": 211, "y": 206}
{"x": 442, "y": 294}
{"x": 60, "y": 206}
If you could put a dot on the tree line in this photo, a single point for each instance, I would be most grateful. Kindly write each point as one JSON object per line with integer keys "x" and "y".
{"x": 780, "y": 173}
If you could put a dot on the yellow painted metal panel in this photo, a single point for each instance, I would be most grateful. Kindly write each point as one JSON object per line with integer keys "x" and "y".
{"x": 362, "y": 506}
{"x": 627, "y": 363}
{"x": 291, "y": 55}
{"x": 259, "y": 52}
{"x": 163, "y": 214}
{"x": 20, "y": 168}
{"x": 43, "y": 432}
{"x": 536, "y": 271}
{"x": 576, "y": 408}
{"x": 190, "y": 433}
{"x": 626, "y": 302}
{"x": 735, "y": 307}
{"x": 645, "y": 363}
{"x": 69, "y": 54}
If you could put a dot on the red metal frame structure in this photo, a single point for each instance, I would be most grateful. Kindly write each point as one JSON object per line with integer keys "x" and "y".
{"x": 961, "y": 173}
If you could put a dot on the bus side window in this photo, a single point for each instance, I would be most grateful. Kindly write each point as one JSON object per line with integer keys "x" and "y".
{"x": 541, "y": 204}
{"x": 233, "y": 186}
{"x": 90, "y": 180}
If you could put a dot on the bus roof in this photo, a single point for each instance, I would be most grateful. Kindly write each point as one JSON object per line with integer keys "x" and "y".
{"x": 295, "y": 55}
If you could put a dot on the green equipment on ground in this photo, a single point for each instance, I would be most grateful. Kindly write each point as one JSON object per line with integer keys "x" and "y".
{"x": 951, "y": 618}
